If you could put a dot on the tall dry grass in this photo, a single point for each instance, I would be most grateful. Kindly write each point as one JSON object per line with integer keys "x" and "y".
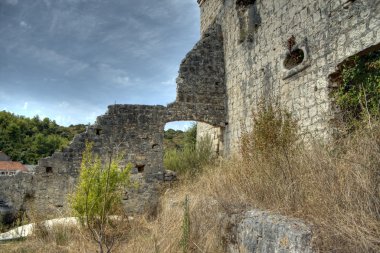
{"x": 334, "y": 186}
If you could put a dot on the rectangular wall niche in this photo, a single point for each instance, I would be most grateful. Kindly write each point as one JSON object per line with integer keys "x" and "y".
{"x": 249, "y": 19}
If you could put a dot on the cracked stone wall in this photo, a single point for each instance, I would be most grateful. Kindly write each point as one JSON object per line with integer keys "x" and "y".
{"x": 136, "y": 132}
{"x": 328, "y": 32}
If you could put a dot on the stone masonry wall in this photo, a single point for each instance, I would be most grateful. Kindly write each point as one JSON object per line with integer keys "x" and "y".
{"x": 14, "y": 193}
{"x": 327, "y": 32}
{"x": 136, "y": 132}
{"x": 132, "y": 131}
{"x": 214, "y": 133}
{"x": 210, "y": 9}
{"x": 200, "y": 82}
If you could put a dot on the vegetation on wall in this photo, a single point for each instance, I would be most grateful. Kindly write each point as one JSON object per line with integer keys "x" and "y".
{"x": 29, "y": 139}
{"x": 358, "y": 95}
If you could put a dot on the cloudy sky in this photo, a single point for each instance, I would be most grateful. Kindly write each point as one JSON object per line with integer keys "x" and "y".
{"x": 69, "y": 59}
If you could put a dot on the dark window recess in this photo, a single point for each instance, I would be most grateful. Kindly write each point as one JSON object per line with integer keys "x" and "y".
{"x": 140, "y": 168}
{"x": 98, "y": 131}
{"x": 294, "y": 58}
{"x": 154, "y": 146}
{"x": 245, "y": 2}
{"x": 49, "y": 170}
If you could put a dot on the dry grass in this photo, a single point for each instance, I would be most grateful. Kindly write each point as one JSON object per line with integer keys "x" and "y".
{"x": 336, "y": 187}
{"x": 69, "y": 238}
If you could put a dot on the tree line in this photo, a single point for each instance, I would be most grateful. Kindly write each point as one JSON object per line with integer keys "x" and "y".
{"x": 29, "y": 139}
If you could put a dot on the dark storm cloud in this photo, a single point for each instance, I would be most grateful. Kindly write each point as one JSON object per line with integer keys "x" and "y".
{"x": 69, "y": 59}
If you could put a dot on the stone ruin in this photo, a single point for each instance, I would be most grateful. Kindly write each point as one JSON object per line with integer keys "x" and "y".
{"x": 134, "y": 131}
{"x": 243, "y": 56}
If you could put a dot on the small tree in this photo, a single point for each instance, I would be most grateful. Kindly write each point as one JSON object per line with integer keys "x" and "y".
{"x": 97, "y": 198}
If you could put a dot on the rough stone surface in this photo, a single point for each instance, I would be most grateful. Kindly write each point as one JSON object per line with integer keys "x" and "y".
{"x": 15, "y": 192}
{"x": 263, "y": 232}
{"x": 254, "y": 51}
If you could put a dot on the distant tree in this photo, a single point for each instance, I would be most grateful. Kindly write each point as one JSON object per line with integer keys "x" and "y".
{"x": 191, "y": 136}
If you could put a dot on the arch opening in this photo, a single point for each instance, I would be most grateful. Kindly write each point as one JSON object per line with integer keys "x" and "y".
{"x": 190, "y": 145}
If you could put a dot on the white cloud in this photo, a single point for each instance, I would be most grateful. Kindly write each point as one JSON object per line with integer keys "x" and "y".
{"x": 25, "y": 107}
{"x": 123, "y": 81}
{"x": 179, "y": 125}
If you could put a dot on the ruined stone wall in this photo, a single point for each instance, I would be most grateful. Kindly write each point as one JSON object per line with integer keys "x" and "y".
{"x": 214, "y": 133}
{"x": 238, "y": 62}
{"x": 255, "y": 37}
{"x": 133, "y": 131}
{"x": 14, "y": 193}
{"x": 209, "y": 11}
{"x": 200, "y": 82}
{"x": 136, "y": 132}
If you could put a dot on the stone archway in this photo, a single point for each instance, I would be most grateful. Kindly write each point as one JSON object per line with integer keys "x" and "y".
{"x": 137, "y": 131}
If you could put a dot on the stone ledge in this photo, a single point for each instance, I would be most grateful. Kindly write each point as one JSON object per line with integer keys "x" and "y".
{"x": 262, "y": 231}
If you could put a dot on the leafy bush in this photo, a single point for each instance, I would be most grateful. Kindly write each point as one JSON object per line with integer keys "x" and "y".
{"x": 358, "y": 96}
{"x": 98, "y": 197}
{"x": 191, "y": 159}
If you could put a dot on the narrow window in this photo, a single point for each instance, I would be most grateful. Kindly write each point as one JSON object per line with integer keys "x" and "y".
{"x": 49, "y": 170}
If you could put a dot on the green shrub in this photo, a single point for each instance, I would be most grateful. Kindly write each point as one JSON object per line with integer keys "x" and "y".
{"x": 98, "y": 197}
{"x": 358, "y": 96}
{"x": 189, "y": 160}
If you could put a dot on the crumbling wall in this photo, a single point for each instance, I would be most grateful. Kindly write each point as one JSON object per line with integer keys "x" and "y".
{"x": 327, "y": 32}
{"x": 136, "y": 132}
{"x": 241, "y": 59}
{"x": 14, "y": 192}
{"x": 209, "y": 11}
{"x": 133, "y": 131}
{"x": 200, "y": 82}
